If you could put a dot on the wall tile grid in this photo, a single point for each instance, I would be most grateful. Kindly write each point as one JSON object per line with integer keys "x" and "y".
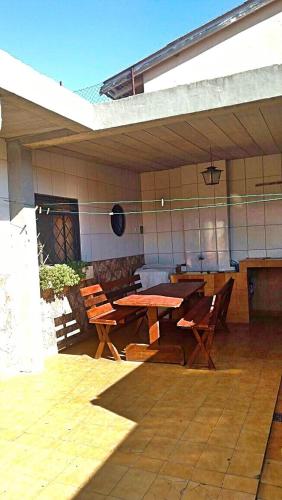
{"x": 255, "y": 228}
{"x": 178, "y": 236}
{"x": 60, "y": 175}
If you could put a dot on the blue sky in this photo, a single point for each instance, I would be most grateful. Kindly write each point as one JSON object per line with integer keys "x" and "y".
{"x": 82, "y": 42}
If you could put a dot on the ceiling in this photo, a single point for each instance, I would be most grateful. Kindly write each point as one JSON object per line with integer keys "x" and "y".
{"x": 233, "y": 132}
{"x": 21, "y": 118}
{"x": 238, "y": 133}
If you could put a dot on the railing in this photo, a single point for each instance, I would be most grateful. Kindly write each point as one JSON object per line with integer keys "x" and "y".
{"x": 92, "y": 94}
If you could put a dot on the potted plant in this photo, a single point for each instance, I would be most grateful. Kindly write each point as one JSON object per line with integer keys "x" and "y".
{"x": 55, "y": 280}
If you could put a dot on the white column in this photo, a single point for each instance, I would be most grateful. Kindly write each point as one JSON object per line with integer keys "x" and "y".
{"x": 24, "y": 262}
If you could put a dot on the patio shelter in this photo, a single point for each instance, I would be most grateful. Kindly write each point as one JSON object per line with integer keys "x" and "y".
{"x": 54, "y": 142}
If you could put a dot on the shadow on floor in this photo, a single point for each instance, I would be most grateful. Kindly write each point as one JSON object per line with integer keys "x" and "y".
{"x": 164, "y": 431}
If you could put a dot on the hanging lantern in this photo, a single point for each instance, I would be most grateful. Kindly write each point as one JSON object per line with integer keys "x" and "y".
{"x": 212, "y": 174}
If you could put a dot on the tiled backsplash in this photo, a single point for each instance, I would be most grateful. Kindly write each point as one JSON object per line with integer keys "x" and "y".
{"x": 255, "y": 229}
{"x": 216, "y": 234}
{"x": 182, "y": 236}
{"x": 75, "y": 178}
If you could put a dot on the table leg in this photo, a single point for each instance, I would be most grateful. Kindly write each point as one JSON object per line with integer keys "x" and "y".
{"x": 154, "y": 325}
{"x": 153, "y": 351}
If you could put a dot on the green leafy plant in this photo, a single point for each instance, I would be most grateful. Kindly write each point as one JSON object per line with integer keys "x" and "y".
{"x": 79, "y": 267}
{"x": 57, "y": 277}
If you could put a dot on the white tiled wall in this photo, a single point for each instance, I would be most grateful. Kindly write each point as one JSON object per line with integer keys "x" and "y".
{"x": 175, "y": 237}
{"x": 255, "y": 229}
{"x": 60, "y": 175}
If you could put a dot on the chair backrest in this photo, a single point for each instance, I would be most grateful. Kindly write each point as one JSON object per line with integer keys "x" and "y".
{"x": 120, "y": 288}
{"x": 220, "y": 303}
{"x": 226, "y": 292}
{"x": 98, "y": 298}
{"x": 95, "y": 301}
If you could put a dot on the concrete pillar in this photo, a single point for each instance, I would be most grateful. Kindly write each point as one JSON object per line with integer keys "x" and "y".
{"x": 8, "y": 335}
{"x": 23, "y": 259}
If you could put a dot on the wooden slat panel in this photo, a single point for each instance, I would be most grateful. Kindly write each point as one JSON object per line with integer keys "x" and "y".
{"x": 217, "y": 138}
{"x": 109, "y": 285}
{"x": 254, "y": 122}
{"x": 196, "y": 154}
{"x": 151, "y": 153}
{"x": 67, "y": 329}
{"x": 198, "y": 313}
{"x": 147, "y": 138}
{"x": 94, "y": 301}
{"x": 189, "y": 133}
{"x": 163, "y": 137}
{"x": 78, "y": 152}
{"x": 230, "y": 125}
{"x": 273, "y": 118}
{"x": 117, "y": 143}
{"x": 116, "y": 294}
{"x": 122, "y": 153}
{"x": 121, "y": 315}
{"x": 96, "y": 311}
{"x": 102, "y": 155}
{"x": 63, "y": 319}
{"x": 90, "y": 290}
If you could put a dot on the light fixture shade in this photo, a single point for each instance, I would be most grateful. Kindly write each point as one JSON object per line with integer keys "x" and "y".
{"x": 211, "y": 175}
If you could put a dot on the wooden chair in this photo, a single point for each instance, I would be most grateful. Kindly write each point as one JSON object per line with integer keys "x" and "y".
{"x": 100, "y": 311}
{"x": 203, "y": 320}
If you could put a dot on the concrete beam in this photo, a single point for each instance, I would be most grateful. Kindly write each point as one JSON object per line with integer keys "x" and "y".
{"x": 155, "y": 108}
{"x": 25, "y": 82}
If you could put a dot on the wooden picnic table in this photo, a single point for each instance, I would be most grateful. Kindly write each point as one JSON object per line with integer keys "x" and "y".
{"x": 164, "y": 295}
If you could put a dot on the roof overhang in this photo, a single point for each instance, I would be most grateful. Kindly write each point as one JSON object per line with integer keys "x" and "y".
{"x": 237, "y": 115}
{"x": 120, "y": 85}
{"x": 38, "y": 100}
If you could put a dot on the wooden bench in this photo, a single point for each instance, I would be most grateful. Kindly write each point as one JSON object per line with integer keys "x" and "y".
{"x": 203, "y": 320}
{"x": 107, "y": 318}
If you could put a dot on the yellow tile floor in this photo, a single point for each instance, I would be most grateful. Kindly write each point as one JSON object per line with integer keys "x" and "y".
{"x": 271, "y": 480}
{"x": 88, "y": 429}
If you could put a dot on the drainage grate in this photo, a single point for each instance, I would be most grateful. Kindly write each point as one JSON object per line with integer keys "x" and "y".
{"x": 277, "y": 417}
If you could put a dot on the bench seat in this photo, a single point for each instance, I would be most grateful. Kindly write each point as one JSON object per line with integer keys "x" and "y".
{"x": 98, "y": 301}
{"x": 117, "y": 316}
{"x": 203, "y": 318}
{"x": 199, "y": 314}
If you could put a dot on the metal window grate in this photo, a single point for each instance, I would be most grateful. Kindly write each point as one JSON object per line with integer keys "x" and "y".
{"x": 58, "y": 233}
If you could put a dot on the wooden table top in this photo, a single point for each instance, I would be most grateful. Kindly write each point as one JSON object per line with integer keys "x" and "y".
{"x": 162, "y": 295}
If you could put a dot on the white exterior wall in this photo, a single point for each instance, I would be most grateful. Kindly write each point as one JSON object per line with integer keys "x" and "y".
{"x": 256, "y": 229}
{"x": 21, "y": 347}
{"x": 181, "y": 236}
{"x": 75, "y": 178}
{"x": 238, "y": 48}
{"x": 4, "y": 209}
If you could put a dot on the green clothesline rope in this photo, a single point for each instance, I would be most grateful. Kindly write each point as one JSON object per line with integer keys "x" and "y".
{"x": 159, "y": 200}
{"x": 162, "y": 210}
{"x": 46, "y": 207}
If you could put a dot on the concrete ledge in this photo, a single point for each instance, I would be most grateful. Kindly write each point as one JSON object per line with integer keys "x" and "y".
{"x": 250, "y": 86}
